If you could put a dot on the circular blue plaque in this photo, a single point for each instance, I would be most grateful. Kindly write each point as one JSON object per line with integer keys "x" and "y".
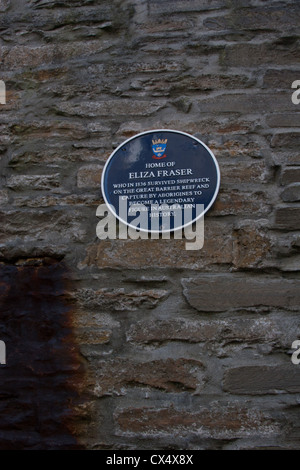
{"x": 164, "y": 176}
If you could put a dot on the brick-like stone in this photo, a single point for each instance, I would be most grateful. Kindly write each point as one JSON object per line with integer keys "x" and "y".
{"x": 243, "y": 172}
{"x": 246, "y": 103}
{"x": 262, "y": 380}
{"x": 256, "y": 55}
{"x": 143, "y": 254}
{"x": 54, "y": 157}
{"x": 216, "y": 421}
{"x": 221, "y": 292}
{"x": 18, "y": 57}
{"x": 53, "y": 227}
{"x": 170, "y": 375}
{"x": 241, "y": 146}
{"x": 284, "y": 157}
{"x": 236, "y": 202}
{"x": 212, "y": 332}
{"x": 290, "y": 264}
{"x": 89, "y": 176}
{"x": 123, "y": 107}
{"x": 119, "y": 299}
{"x": 58, "y": 200}
{"x": 92, "y": 336}
{"x": 146, "y": 67}
{"x": 291, "y": 193}
{"x": 208, "y": 82}
{"x": 36, "y": 182}
{"x": 287, "y": 218}
{"x": 280, "y": 79}
{"x": 251, "y": 246}
{"x": 183, "y": 6}
{"x": 271, "y": 17}
{"x": 288, "y": 140}
{"x": 48, "y": 129}
{"x": 283, "y": 120}
{"x": 290, "y": 175}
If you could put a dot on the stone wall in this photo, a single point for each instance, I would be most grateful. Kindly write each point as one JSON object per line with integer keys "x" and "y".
{"x": 123, "y": 344}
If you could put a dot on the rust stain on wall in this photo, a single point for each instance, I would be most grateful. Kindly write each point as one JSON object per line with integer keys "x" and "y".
{"x": 40, "y": 386}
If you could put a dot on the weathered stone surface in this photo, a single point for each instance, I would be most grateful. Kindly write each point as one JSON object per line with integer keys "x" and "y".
{"x": 231, "y": 147}
{"x": 285, "y": 157}
{"x": 58, "y": 200}
{"x": 233, "y": 202}
{"x": 288, "y": 218}
{"x": 160, "y": 370}
{"x": 291, "y": 193}
{"x": 37, "y": 182}
{"x": 286, "y": 140}
{"x": 3, "y": 197}
{"x": 149, "y": 67}
{"x": 251, "y": 246}
{"x": 18, "y": 57}
{"x": 260, "y": 18}
{"x": 4, "y": 4}
{"x": 92, "y": 336}
{"x": 140, "y": 254}
{"x": 118, "y": 299}
{"x": 109, "y": 107}
{"x": 54, "y": 157}
{"x": 48, "y": 129}
{"x": 183, "y": 6}
{"x": 55, "y": 226}
{"x": 228, "y": 421}
{"x": 253, "y": 55}
{"x": 280, "y": 79}
{"x": 89, "y": 176}
{"x": 290, "y": 175}
{"x": 254, "y": 103}
{"x": 221, "y": 292}
{"x": 284, "y": 120}
{"x": 261, "y": 380}
{"x": 171, "y": 375}
{"x": 217, "y": 332}
{"x": 244, "y": 172}
{"x": 291, "y": 264}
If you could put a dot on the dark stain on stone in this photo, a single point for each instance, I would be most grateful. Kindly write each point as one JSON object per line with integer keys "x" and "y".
{"x": 40, "y": 383}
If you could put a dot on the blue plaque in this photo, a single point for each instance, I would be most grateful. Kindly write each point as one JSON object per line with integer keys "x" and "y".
{"x": 162, "y": 173}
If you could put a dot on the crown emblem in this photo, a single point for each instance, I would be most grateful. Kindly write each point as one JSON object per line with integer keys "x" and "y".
{"x": 159, "y": 147}
{"x": 159, "y": 141}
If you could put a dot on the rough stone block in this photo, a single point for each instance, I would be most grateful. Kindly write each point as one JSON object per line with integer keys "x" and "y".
{"x": 280, "y": 79}
{"x": 288, "y": 140}
{"x": 259, "y": 55}
{"x": 123, "y": 107}
{"x": 287, "y": 218}
{"x": 210, "y": 332}
{"x": 244, "y": 103}
{"x": 170, "y": 375}
{"x": 290, "y": 175}
{"x": 143, "y": 254}
{"x": 36, "y": 182}
{"x": 291, "y": 193}
{"x": 221, "y": 292}
{"x": 215, "y": 421}
{"x": 119, "y": 299}
{"x": 262, "y": 380}
{"x": 270, "y": 17}
{"x": 89, "y": 176}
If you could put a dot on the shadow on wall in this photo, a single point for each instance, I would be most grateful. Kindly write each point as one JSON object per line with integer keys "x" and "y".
{"x": 40, "y": 381}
